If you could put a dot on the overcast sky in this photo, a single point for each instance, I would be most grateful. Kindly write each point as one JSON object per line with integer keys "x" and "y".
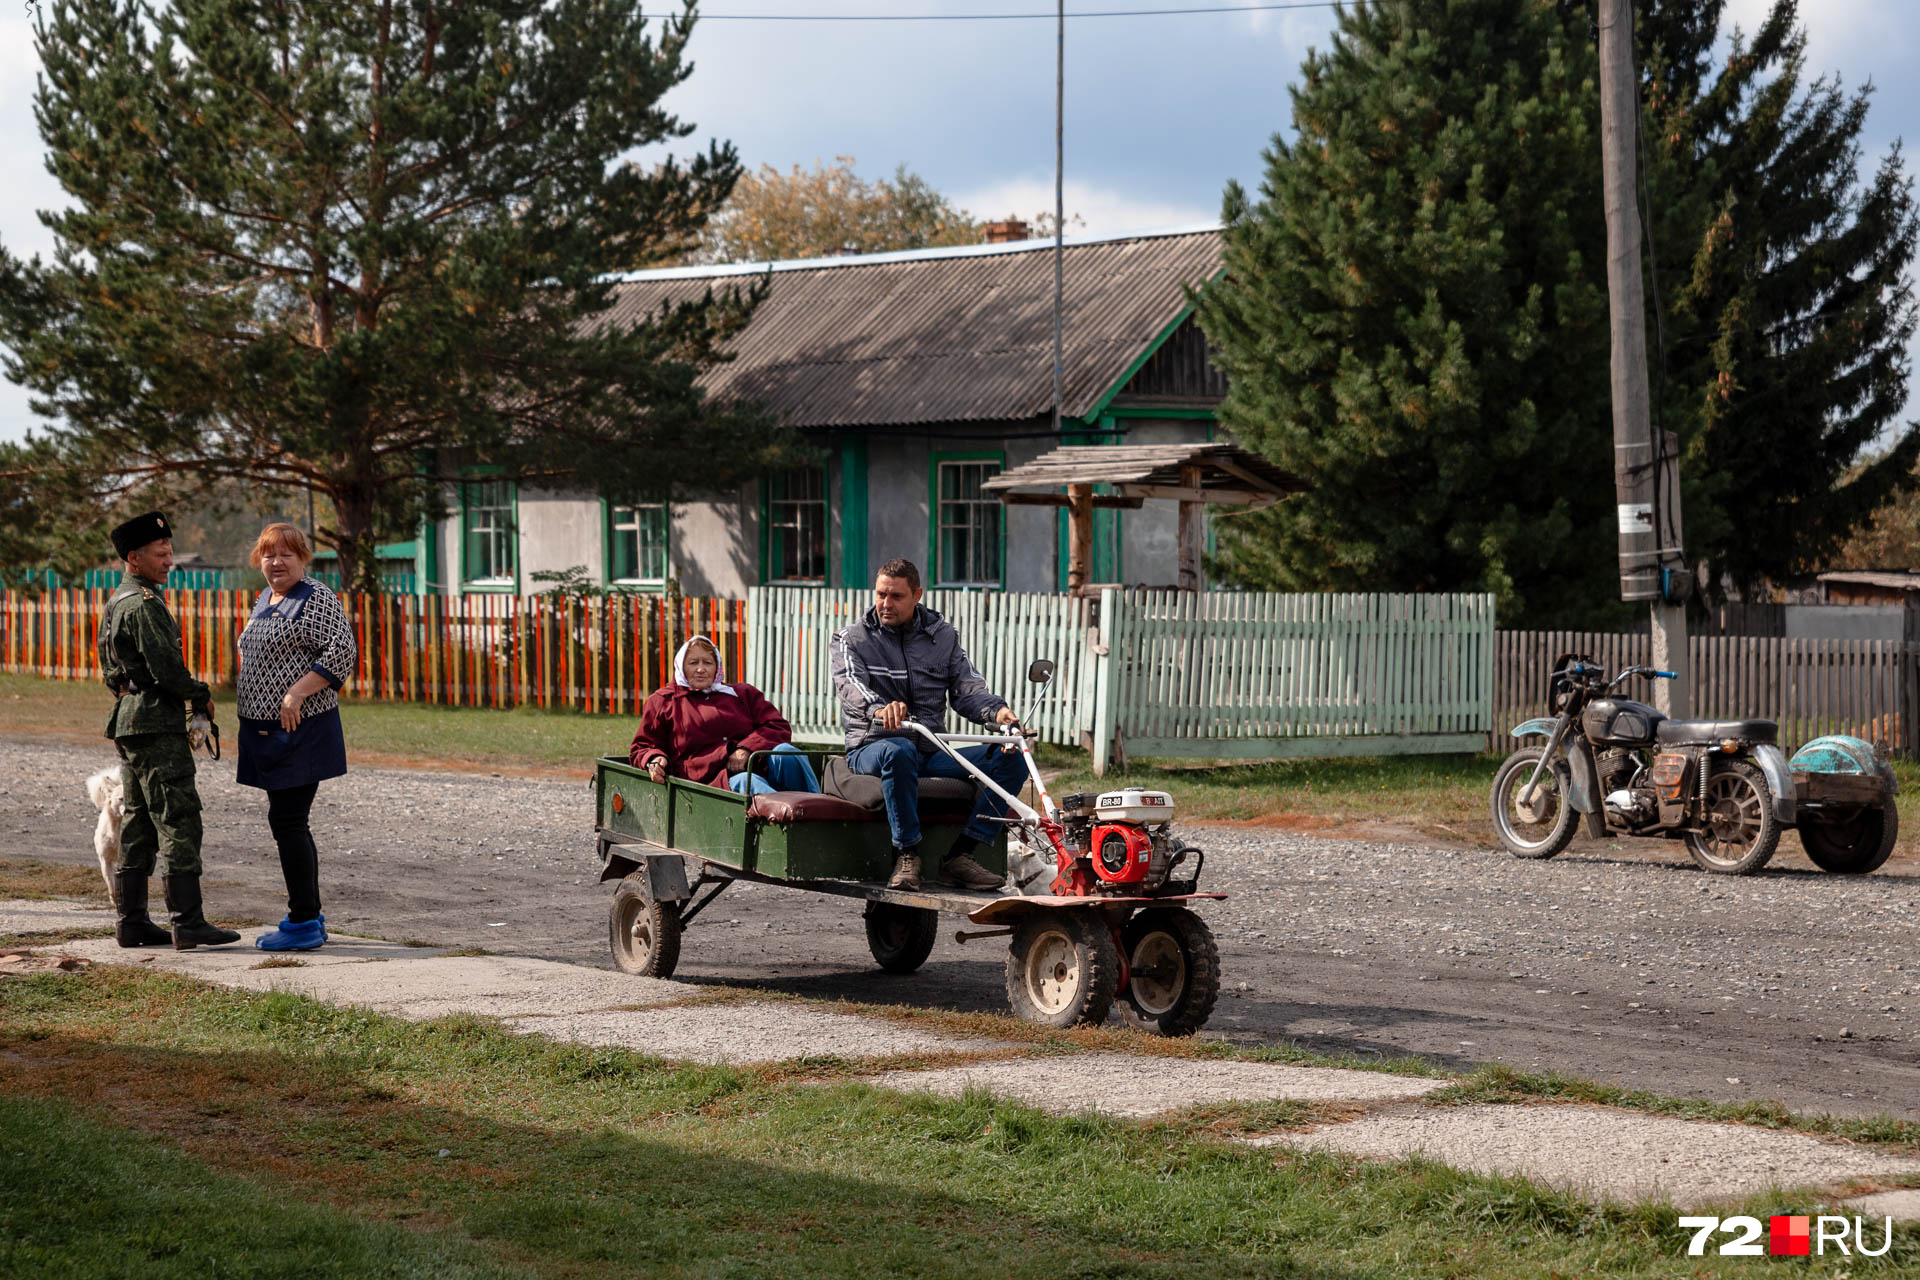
{"x": 1161, "y": 111}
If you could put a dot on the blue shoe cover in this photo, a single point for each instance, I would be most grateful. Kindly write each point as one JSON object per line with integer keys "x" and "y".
{"x": 305, "y": 936}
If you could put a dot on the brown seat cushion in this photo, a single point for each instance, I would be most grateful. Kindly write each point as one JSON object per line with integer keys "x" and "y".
{"x": 806, "y": 806}
{"x": 939, "y": 797}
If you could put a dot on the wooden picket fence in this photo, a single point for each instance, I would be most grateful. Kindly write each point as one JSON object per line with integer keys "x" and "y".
{"x": 1262, "y": 674}
{"x": 1812, "y": 687}
{"x": 1171, "y": 674}
{"x": 602, "y": 655}
{"x": 1003, "y": 632}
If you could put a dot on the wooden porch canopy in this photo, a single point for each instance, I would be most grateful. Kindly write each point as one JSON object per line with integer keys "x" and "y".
{"x": 1193, "y": 474}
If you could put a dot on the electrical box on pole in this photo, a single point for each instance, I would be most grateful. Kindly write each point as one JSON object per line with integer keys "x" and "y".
{"x": 1645, "y": 465}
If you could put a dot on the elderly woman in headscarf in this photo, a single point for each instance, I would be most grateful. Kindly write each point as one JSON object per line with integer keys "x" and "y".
{"x": 704, "y": 729}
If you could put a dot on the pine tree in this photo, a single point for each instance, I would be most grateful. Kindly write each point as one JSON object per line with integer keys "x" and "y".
{"x": 1788, "y": 302}
{"x": 1409, "y": 315}
{"x": 354, "y": 245}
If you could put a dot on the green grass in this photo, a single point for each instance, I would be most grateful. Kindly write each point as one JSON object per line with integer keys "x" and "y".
{"x": 563, "y": 1160}
{"x": 85, "y": 1198}
{"x": 390, "y": 732}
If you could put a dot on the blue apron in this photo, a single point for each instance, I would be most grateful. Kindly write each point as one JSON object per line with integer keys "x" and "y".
{"x": 273, "y": 759}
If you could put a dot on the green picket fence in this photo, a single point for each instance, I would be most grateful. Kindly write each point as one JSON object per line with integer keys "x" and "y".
{"x": 790, "y": 629}
{"x": 1273, "y": 674}
{"x": 1174, "y": 674}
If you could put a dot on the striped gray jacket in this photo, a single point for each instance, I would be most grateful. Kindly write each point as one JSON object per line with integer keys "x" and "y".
{"x": 920, "y": 664}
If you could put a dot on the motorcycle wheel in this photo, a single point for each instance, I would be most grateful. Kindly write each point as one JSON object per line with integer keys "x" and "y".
{"x": 1542, "y": 827}
{"x": 1739, "y": 830}
{"x": 1854, "y": 847}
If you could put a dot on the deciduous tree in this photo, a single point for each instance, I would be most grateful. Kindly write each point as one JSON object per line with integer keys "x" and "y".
{"x": 830, "y": 210}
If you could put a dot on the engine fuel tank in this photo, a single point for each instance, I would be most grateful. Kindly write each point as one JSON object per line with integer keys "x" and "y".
{"x": 1619, "y": 720}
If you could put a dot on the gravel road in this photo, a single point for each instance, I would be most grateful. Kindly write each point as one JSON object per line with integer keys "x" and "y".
{"x": 1618, "y": 963}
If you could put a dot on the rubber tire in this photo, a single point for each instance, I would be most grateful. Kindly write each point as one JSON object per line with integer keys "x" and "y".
{"x": 1763, "y": 845}
{"x": 901, "y": 938}
{"x": 1561, "y": 833}
{"x": 1084, "y": 935}
{"x": 1201, "y": 957}
{"x": 1871, "y": 847}
{"x": 660, "y": 952}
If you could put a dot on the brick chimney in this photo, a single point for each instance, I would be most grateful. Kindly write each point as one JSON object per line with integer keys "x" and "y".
{"x": 1008, "y": 230}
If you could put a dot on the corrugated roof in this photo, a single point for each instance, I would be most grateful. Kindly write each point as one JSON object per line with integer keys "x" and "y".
{"x": 941, "y": 335}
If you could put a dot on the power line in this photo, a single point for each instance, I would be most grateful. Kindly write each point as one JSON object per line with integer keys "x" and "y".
{"x": 1013, "y": 17}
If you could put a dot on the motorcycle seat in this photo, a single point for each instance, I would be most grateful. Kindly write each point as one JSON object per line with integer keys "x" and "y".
{"x": 1677, "y": 732}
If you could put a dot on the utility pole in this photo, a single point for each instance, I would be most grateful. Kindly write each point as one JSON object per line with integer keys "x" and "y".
{"x": 1645, "y": 477}
{"x": 1059, "y": 205}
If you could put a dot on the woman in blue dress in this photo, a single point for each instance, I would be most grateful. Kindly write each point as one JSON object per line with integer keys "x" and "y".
{"x": 296, "y": 652}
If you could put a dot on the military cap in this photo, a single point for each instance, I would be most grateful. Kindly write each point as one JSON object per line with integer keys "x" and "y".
{"x": 139, "y": 531}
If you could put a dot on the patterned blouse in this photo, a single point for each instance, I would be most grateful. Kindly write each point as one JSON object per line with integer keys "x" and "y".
{"x": 306, "y": 631}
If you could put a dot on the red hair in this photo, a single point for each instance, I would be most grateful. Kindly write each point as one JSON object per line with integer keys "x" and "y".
{"x": 287, "y": 538}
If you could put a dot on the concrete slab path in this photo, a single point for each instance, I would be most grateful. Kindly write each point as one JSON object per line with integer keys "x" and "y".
{"x": 1130, "y": 1084}
{"x": 1606, "y": 1153}
{"x": 1600, "y": 1152}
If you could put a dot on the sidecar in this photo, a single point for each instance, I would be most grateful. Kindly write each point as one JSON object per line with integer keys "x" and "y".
{"x": 1844, "y": 804}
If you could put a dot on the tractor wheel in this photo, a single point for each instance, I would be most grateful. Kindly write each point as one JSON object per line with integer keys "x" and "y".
{"x": 1174, "y": 968}
{"x": 1062, "y": 968}
{"x": 1739, "y": 831}
{"x": 644, "y": 935}
{"x": 1854, "y": 847}
{"x": 901, "y": 938}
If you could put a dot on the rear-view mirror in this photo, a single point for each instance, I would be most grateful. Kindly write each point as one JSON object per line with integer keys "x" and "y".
{"x": 1041, "y": 671}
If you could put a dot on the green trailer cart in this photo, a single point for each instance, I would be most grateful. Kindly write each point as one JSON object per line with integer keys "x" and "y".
{"x": 675, "y": 846}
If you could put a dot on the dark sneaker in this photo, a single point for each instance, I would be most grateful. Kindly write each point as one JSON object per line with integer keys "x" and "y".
{"x": 968, "y": 874}
{"x": 906, "y": 872}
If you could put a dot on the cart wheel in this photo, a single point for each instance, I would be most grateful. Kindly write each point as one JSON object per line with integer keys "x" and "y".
{"x": 1854, "y": 847}
{"x": 901, "y": 938}
{"x": 645, "y": 935}
{"x": 1062, "y": 968}
{"x": 1175, "y": 970}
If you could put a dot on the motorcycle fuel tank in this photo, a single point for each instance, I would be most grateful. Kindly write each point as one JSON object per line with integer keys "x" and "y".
{"x": 1619, "y": 720}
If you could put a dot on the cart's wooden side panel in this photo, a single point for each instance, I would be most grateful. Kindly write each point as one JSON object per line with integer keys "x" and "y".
{"x": 679, "y": 815}
{"x": 854, "y": 850}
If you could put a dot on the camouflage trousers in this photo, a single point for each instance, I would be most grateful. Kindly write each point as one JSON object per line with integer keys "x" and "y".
{"x": 162, "y": 813}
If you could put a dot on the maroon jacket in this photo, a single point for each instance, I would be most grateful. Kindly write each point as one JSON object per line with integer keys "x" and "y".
{"x": 695, "y": 732}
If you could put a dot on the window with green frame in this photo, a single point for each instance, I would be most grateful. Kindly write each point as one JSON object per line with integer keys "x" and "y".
{"x": 487, "y": 532}
{"x": 967, "y": 524}
{"x": 637, "y": 543}
{"x": 796, "y": 524}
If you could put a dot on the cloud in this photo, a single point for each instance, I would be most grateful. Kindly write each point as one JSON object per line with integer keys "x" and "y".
{"x": 1104, "y": 210}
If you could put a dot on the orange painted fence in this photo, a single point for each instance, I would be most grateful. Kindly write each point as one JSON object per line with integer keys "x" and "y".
{"x": 601, "y": 655}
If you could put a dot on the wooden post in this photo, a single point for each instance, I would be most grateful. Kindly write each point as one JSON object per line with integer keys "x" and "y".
{"x": 1193, "y": 517}
{"x": 1079, "y": 535}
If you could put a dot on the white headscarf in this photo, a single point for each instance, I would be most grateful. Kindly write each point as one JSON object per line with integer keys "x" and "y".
{"x": 719, "y": 668}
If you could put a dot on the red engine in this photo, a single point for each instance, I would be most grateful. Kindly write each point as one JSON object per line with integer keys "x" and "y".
{"x": 1122, "y": 853}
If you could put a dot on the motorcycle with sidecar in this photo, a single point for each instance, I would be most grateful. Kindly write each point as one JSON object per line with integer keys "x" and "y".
{"x": 1724, "y": 787}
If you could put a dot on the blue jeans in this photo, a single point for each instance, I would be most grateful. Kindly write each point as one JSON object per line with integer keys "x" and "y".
{"x": 788, "y": 769}
{"x": 898, "y": 764}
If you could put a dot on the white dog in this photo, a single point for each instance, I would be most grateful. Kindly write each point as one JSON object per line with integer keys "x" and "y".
{"x": 108, "y": 791}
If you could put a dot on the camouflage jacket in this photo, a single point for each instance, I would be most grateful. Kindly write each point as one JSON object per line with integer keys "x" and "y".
{"x": 140, "y": 661}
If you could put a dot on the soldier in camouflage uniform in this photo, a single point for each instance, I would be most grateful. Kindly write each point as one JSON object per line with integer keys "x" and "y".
{"x": 141, "y": 662}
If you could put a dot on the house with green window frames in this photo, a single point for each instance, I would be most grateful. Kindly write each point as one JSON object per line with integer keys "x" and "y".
{"x": 916, "y": 376}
